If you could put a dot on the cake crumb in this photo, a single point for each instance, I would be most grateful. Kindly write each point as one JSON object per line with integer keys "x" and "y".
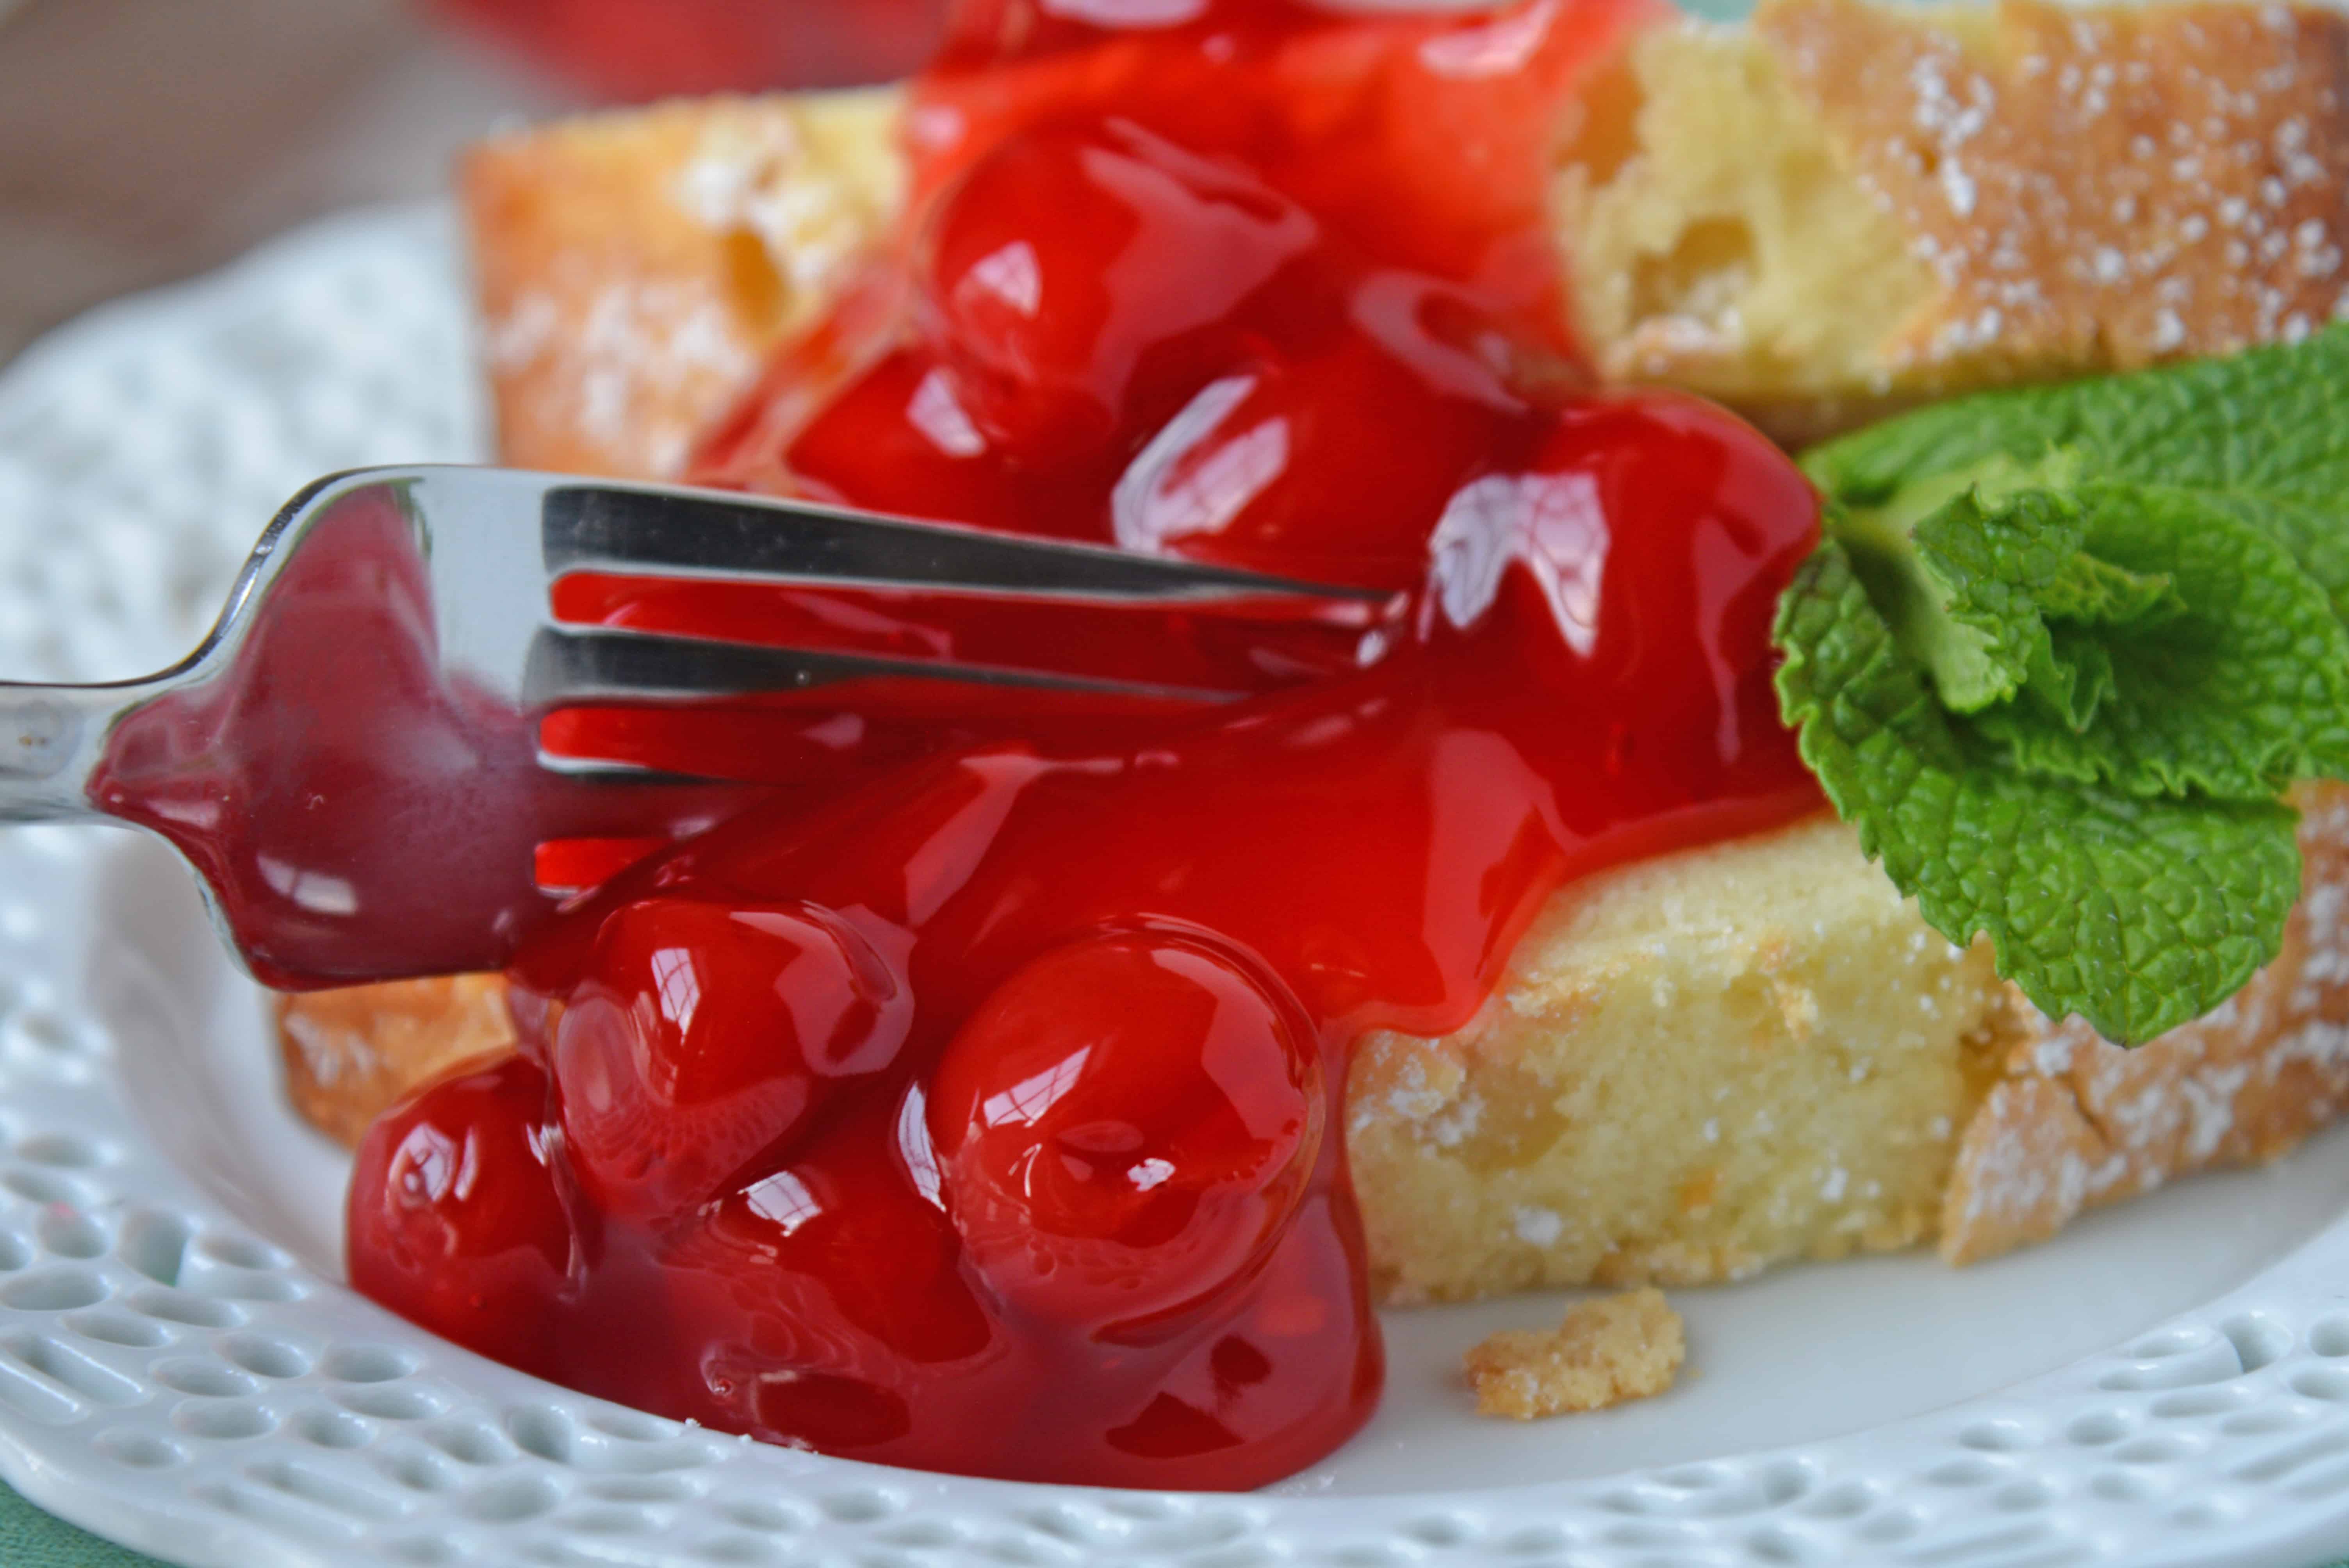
{"x": 1604, "y": 1352}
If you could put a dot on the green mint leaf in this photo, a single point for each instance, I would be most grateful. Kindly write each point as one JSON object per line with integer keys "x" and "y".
{"x": 1973, "y": 567}
{"x": 2074, "y": 678}
{"x": 1963, "y": 587}
{"x": 2103, "y": 594}
{"x": 2238, "y": 692}
{"x": 2264, "y": 435}
{"x": 2138, "y": 914}
{"x": 2065, "y": 649}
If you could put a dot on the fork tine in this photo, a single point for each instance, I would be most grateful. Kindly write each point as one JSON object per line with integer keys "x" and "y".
{"x": 581, "y": 668}
{"x": 721, "y": 534}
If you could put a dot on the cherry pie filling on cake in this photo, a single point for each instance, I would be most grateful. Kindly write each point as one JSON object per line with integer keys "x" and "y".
{"x": 977, "y": 1111}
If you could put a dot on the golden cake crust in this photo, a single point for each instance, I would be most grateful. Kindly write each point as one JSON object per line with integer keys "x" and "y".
{"x": 1707, "y": 1064}
{"x": 349, "y": 1052}
{"x": 633, "y": 269}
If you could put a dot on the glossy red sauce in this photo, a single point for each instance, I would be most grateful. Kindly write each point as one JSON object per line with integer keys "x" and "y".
{"x": 983, "y": 1117}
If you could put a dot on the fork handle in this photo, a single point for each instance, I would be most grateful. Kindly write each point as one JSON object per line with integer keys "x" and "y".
{"x": 52, "y": 740}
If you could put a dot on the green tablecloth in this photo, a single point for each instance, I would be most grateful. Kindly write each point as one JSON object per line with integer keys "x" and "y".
{"x": 31, "y": 1539}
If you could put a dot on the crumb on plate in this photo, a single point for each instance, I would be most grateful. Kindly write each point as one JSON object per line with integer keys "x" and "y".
{"x": 1602, "y": 1353}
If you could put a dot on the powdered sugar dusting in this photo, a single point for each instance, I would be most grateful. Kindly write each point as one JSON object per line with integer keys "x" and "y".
{"x": 622, "y": 369}
{"x": 2115, "y": 185}
{"x": 628, "y": 325}
{"x": 2079, "y": 1121}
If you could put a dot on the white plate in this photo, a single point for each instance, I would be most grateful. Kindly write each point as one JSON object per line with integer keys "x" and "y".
{"x": 2167, "y": 1384}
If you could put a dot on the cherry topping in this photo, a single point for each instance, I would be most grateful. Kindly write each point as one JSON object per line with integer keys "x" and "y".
{"x": 455, "y": 1218}
{"x": 1659, "y": 529}
{"x": 1072, "y": 255}
{"x": 968, "y": 1107}
{"x": 1125, "y": 1124}
{"x": 826, "y": 1302}
{"x": 899, "y": 439}
{"x": 705, "y": 1036}
{"x": 1264, "y": 467}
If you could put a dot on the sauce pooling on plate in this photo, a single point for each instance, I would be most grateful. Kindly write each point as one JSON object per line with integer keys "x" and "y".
{"x": 982, "y": 1117}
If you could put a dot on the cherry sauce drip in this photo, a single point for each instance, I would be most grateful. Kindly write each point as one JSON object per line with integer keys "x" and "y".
{"x": 984, "y": 1116}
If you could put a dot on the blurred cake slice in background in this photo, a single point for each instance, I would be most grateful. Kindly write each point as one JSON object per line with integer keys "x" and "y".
{"x": 1843, "y": 209}
{"x": 634, "y": 268}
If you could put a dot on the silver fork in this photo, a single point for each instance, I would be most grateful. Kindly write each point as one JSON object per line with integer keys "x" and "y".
{"x": 352, "y": 759}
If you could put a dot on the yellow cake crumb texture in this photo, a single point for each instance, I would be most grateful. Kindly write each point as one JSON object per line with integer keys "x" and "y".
{"x": 350, "y": 1053}
{"x": 1694, "y": 1068}
{"x": 1604, "y": 1352}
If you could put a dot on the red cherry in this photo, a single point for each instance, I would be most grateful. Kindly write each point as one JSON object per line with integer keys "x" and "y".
{"x": 455, "y": 1220}
{"x": 1656, "y": 532}
{"x": 704, "y": 1037}
{"x": 897, "y": 439}
{"x": 1125, "y": 1125}
{"x": 818, "y": 1297}
{"x": 1331, "y": 465}
{"x": 1072, "y": 254}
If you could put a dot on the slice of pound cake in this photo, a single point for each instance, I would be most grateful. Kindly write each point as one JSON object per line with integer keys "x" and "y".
{"x": 1718, "y": 1060}
{"x": 1729, "y": 1059}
